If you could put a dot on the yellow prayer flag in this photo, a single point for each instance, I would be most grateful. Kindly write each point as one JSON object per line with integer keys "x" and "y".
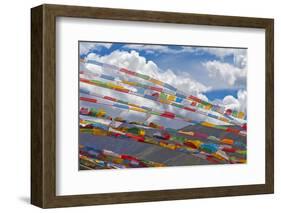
{"x": 241, "y": 115}
{"x": 207, "y": 124}
{"x": 138, "y": 109}
{"x": 171, "y": 98}
{"x": 156, "y": 81}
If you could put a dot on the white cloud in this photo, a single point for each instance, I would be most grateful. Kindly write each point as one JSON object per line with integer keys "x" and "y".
{"x": 240, "y": 60}
{"x": 221, "y": 52}
{"x": 239, "y": 55}
{"x": 203, "y": 97}
{"x": 133, "y": 61}
{"x": 154, "y": 49}
{"x": 242, "y": 98}
{"x": 239, "y": 103}
{"x": 226, "y": 74}
{"x": 147, "y": 48}
{"x": 230, "y": 102}
{"x": 86, "y": 47}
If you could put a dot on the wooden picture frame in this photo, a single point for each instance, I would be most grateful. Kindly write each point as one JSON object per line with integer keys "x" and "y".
{"x": 43, "y": 105}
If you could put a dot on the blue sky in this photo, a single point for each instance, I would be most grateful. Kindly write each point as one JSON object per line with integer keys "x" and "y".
{"x": 217, "y": 75}
{"x": 190, "y": 62}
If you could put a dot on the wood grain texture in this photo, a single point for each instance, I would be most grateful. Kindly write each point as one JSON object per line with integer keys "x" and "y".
{"x": 269, "y": 106}
{"x": 43, "y": 105}
{"x": 36, "y": 106}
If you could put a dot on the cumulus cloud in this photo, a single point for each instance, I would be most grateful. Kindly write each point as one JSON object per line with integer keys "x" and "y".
{"x": 221, "y": 53}
{"x": 239, "y": 55}
{"x": 242, "y": 98}
{"x": 160, "y": 48}
{"x": 240, "y": 60}
{"x": 148, "y": 48}
{"x": 239, "y": 103}
{"x": 133, "y": 61}
{"x": 86, "y": 47}
{"x": 227, "y": 74}
{"x": 203, "y": 97}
